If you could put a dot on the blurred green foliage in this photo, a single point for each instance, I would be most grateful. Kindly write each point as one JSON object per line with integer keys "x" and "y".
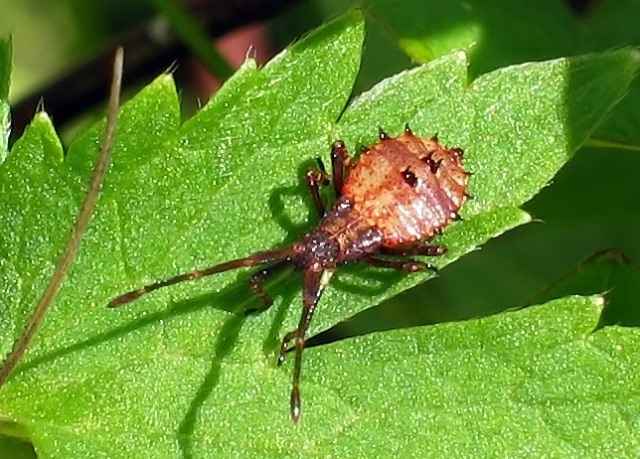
{"x": 51, "y": 38}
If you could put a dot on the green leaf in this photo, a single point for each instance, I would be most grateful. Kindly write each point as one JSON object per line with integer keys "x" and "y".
{"x": 35, "y": 201}
{"x": 184, "y": 370}
{"x": 5, "y": 81}
{"x": 524, "y": 383}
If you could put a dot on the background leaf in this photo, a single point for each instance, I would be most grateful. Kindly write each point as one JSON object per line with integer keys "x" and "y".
{"x": 5, "y": 67}
{"x": 498, "y": 33}
{"x": 5, "y": 79}
{"x": 184, "y": 370}
{"x": 609, "y": 271}
{"x": 530, "y": 382}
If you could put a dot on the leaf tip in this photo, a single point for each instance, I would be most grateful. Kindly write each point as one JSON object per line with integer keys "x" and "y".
{"x": 592, "y": 307}
{"x": 355, "y": 14}
{"x": 165, "y": 81}
{"x": 42, "y": 126}
{"x": 249, "y": 63}
{"x": 628, "y": 59}
{"x": 634, "y": 60}
{"x": 460, "y": 56}
{"x": 525, "y": 217}
{"x": 599, "y": 301}
{"x": 41, "y": 118}
{"x": 351, "y": 22}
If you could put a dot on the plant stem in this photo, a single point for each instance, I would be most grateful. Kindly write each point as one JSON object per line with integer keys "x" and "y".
{"x": 78, "y": 229}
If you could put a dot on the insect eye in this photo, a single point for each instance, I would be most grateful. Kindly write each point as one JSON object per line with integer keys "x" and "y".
{"x": 409, "y": 177}
{"x": 459, "y": 152}
{"x": 433, "y": 165}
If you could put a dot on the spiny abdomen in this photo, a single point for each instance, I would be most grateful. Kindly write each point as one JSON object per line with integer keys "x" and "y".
{"x": 408, "y": 187}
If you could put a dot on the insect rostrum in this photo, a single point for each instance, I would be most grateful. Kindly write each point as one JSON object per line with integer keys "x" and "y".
{"x": 391, "y": 202}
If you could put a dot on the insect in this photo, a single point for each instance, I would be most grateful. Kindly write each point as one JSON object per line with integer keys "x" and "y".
{"x": 390, "y": 202}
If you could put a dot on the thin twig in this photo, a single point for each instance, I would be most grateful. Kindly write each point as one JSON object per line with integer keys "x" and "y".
{"x": 78, "y": 229}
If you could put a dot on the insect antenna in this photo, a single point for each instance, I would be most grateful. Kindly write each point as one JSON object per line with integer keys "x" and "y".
{"x": 258, "y": 258}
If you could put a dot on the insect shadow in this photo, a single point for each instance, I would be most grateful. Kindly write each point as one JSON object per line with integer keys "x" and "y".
{"x": 351, "y": 278}
{"x": 277, "y": 202}
{"x": 283, "y": 289}
{"x": 236, "y": 298}
{"x": 234, "y": 294}
{"x": 226, "y": 339}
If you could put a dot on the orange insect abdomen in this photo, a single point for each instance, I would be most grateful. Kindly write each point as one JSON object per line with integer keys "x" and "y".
{"x": 408, "y": 187}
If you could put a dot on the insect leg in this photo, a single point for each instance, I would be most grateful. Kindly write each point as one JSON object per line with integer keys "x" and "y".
{"x": 430, "y": 250}
{"x": 257, "y": 280}
{"x": 314, "y": 284}
{"x": 258, "y": 258}
{"x": 407, "y": 265}
{"x": 315, "y": 178}
{"x": 339, "y": 164}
